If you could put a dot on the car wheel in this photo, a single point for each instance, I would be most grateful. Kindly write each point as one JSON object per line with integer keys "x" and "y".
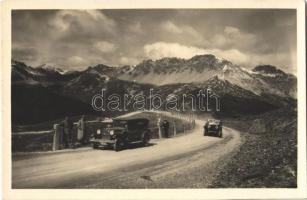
{"x": 95, "y": 145}
{"x": 146, "y": 139}
{"x": 220, "y": 134}
{"x": 205, "y": 133}
{"x": 119, "y": 145}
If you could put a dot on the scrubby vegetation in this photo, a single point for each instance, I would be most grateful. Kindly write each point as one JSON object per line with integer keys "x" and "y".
{"x": 268, "y": 158}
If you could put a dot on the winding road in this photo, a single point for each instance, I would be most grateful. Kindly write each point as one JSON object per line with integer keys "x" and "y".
{"x": 185, "y": 161}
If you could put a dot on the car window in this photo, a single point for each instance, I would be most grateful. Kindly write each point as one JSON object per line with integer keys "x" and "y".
{"x": 120, "y": 123}
{"x": 137, "y": 124}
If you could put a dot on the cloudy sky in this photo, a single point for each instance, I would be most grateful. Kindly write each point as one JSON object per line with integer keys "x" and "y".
{"x": 79, "y": 38}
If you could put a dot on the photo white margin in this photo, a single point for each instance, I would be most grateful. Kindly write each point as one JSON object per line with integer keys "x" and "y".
{"x": 266, "y": 193}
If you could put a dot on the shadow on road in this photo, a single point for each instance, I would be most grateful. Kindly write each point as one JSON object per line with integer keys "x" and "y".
{"x": 129, "y": 146}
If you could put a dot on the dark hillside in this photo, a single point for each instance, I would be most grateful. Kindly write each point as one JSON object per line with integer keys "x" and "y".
{"x": 34, "y": 104}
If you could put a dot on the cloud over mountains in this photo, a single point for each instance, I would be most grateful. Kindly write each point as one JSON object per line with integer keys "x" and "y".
{"x": 79, "y": 38}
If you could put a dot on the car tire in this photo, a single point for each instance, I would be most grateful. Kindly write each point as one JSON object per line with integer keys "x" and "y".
{"x": 205, "y": 133}
{"x": 118, "y": 144}
{"x": 95, "y": 146}
{"x": 146, "y": 138}
{"x": 220, "y": 134}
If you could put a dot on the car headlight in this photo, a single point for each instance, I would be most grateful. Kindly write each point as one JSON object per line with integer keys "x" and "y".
{"x": 111, "y": 132}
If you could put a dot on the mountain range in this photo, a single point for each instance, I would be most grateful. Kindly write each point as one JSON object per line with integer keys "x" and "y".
{"x": 242, "y": 91}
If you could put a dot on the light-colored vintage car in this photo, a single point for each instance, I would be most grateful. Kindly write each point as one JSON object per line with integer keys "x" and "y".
{"x": 213, "y": 127}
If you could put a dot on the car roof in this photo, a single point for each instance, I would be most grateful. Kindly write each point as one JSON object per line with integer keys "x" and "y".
{"x": 214, "y": 120}
{"x": 131, "y": 119}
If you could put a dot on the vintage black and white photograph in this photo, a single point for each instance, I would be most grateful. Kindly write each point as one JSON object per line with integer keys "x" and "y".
{"x": 154, "y": 98}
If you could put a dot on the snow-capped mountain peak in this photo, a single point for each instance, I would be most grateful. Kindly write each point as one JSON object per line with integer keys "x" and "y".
{"x": 53, "y": 67}
{"x": 268, "y": 70}
{"x": 264, "y": 79}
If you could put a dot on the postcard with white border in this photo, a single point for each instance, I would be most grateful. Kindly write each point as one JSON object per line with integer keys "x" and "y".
{"x": 153, "y": 99}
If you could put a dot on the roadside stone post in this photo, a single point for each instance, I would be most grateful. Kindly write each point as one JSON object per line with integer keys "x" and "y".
{"x": 159, "y": 127}
{"x": 175, "y": 131}
{"x": 57, "y": 137}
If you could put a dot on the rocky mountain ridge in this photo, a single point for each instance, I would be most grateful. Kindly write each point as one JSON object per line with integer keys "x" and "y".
{"x": 241, "y": 91}
{"x": 263, "y": 79}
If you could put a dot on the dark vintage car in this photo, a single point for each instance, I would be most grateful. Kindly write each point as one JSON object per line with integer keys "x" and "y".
{"x": 121, "y": 133}
{"x": 213, "y": 127}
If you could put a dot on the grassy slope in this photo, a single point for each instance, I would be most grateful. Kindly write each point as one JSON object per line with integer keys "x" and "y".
{"x": 268, "y": 158}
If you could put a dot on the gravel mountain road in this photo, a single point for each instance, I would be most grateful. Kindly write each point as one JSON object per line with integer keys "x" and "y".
{"x": 185, "y": 161}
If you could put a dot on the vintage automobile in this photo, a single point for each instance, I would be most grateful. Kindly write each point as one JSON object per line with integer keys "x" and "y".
{"x": 121, "y": 133}
{"x": 213, "y": 127}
